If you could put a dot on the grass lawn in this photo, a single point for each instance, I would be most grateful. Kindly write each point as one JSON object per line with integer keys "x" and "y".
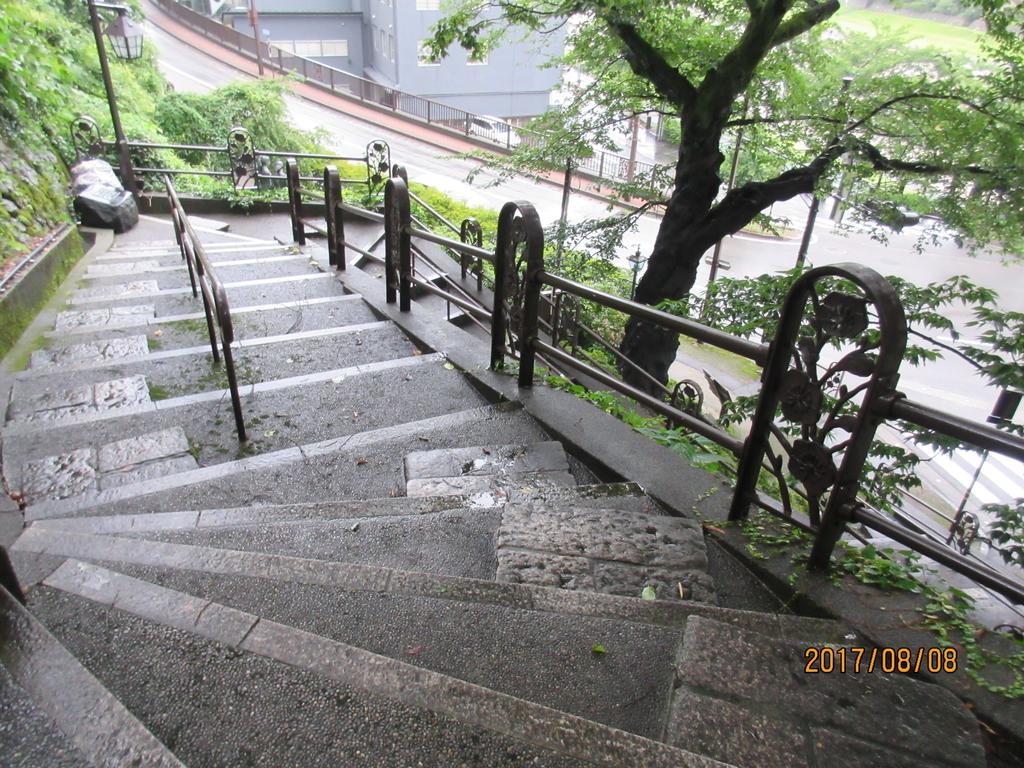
{"x": 949, "y": 37}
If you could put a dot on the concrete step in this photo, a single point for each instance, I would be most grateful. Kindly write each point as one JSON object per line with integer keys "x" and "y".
{"x": 81, "y": 350}
{"x": 249, "y": 318}
{"x": 226, "y": 687}
{"x": 54, "y": 713}
{"x": 486, "y": 469}
{"x": 747, "y": 699}
{"x": 541, "y": 656}
{"x": 173, "y": 373}
{"x": 327, "y": 416}
{"x": 102, "y": 279}
{"x": 623, "y": 495}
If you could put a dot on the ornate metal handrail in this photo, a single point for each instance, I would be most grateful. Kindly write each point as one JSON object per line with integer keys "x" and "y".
{"x": 240, "y": 153}
{"x": 859, "y": 308}
{"x": 215, "y": 299}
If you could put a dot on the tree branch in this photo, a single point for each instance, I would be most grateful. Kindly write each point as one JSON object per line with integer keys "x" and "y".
{"x": 882, "y": 163}
{"x": 803, "y": 21}
{"x": 647, "y": 62}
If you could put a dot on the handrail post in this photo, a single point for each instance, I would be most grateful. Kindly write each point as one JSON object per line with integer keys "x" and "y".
{"x": 529, "y": 320}
{"x": 470, "y": 232}
{"x": 335, "y": 229}
{"x": 295, "y": 201}
{"x": 397, "y": 243}
{"x": 236, "y": 400}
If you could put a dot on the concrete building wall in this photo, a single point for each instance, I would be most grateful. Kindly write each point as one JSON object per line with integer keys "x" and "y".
{"x": 384, "y": 38}
{"x": 510, "y": 83}
{"x": 308, "y": 27}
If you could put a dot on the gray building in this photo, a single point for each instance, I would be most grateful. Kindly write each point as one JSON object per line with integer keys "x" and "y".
{"x": 384, "y": 41}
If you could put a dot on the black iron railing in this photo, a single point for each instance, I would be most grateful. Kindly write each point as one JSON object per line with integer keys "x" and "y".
{"x": 819, "y": 470}
{"x": 237, "y": 161}
{"x": 215, "y": 299}
{"x": 600, "y": 165}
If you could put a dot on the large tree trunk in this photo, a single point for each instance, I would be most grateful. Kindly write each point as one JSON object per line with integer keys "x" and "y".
{"x": 685, "y": 234}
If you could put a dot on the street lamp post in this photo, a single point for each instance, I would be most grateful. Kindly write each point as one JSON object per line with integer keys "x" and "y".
{"x": 637, "y": 262}
{"x": 126, "y": 39}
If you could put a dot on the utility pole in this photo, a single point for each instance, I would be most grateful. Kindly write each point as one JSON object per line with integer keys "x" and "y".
{"x": 631, "y": 171}
{"x": 564, "y": 216}
{"x": 715, "y": 257}
{"x": 812, "y": 215}
{"x": 254, "y": 19}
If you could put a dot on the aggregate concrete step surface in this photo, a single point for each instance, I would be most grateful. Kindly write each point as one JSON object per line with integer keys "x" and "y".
{"x": 322, "y": 414}
{"x": 248, "y": 320}
{"x": 117, "y": 345}
{"x": 104, "y": 280}
{"x": 55, "y": 712}
{"x": 180, "y": 656}
{"x": 173, "y": 373}
{"x": 27, "y": 736}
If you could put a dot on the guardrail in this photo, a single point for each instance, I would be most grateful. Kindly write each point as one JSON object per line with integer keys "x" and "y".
{"x": 241, "y": 162}
{"x": 215, "y": 298}
{"x": 599, "y": 166}
{"x": 850, "y": 305}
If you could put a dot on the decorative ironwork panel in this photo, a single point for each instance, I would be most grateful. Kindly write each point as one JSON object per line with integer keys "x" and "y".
{"x": 836, "y": 354}
{"x": 378, "y": 163}
{"x": 242, "y": 156}
{"x": 85, "y": 137}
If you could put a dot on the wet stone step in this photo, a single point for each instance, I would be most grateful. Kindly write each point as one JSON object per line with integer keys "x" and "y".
{"x": 107, "y": 350}
{"x": 170, "y": 255}
{"x": 175, "y": 376}
{"x": 28, "y": 738}
{"x": 62, "y": 401}
{"x": 547, "y": 658}
{"x": 106, "y": 280}
{"x": 615, "y": 551}
{"x": 171, "y": 261}
{"x": 334, "y": 409}
{"x": 486, "y": 470}
{"x": 457, "y": 542}
{"x": 778, "y": 713}
{"x": 181, "y": 301}
{"x": 109, "y": 466}
{"x": 351, "y": 469}
{"x": 215, "y": 705}
{"x": 115, "y": 346}
{"x": 249, "y": 322}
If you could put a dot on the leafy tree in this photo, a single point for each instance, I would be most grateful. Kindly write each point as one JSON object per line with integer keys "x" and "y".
{"x": 913, "y": 125}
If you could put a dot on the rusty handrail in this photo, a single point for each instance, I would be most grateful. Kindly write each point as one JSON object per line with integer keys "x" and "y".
{"x": 215, "y": 299}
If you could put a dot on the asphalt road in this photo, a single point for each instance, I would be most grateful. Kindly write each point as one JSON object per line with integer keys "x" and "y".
{"x": 948, "y": 384}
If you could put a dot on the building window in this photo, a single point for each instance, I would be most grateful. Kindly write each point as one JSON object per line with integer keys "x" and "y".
{"x": 428, "y": 5}
{"x": 314, "y": 48}
{"x": 423, "y": 53}
{"x": 334, "y": 47}
{"x": 391, "y": 47}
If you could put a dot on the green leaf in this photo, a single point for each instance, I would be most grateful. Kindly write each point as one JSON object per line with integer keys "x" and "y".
{"x": 598, "y": 648}
{"x": 648, "y": 593}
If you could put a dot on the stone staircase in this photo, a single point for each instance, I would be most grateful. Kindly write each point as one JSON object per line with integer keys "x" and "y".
{"x": 393, "y": 571}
